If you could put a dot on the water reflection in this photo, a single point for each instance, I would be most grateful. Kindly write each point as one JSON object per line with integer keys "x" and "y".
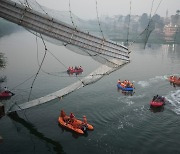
{"x": 32, "y": 130}
{"x": 126, "y": 93}
{"x": 173, "y": 50}
{"x": 156, "y": 109}
{"x": 74, "y": 135}
{"x": 2, "y": 65}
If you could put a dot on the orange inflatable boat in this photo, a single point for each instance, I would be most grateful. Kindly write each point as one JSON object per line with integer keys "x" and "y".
{"x": 74, "y": 124}
{"x": 174, "y": 79}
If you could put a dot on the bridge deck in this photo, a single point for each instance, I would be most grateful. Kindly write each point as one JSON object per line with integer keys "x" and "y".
{"x": 58, "y": 30}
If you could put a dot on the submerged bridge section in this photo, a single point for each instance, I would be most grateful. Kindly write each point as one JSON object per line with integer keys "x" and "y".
{"x": 61, "y": 31}
{"x": 115, "y": 54}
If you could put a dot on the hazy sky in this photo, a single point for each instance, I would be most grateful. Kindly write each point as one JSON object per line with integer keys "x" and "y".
{"x": 86, "y": 9}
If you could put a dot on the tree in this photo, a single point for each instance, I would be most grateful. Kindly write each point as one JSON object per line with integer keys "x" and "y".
{"x": 158, "y": 21}
{"x": 178, "y": 12}
{"x": 144, "y": 20}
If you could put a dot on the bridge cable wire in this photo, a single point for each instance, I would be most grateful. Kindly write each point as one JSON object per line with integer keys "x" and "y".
{"x": 55, "y": 58}
{"x": 70, "y": 12}
{"x": 148, "y": 23}
{"x": 99, "y": 21}
{"x": 51, "y": 54}
{"x": 39, "y": 67}
{"x": 129, "y": 25}
{"x": 42, "y": 8}
{"x": 71, "y": 17}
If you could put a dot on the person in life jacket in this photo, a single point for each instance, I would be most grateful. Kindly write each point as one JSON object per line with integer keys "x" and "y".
{"x": 119, "y": 81}
{"x": 84, "y": 120}
{"x": 63, "y": 114}
{"x": 72, "y": 117}
{"x": 84, "y": 123}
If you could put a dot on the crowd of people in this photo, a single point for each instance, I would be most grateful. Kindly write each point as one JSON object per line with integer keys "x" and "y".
{"x": 126, "y": 84}
{"x": 74, "y": 68}
{"x": 158, "y": 98}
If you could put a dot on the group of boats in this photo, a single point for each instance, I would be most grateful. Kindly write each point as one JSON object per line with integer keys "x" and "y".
{"x": 81, "y": 126}
{"x": 157, "y": 101}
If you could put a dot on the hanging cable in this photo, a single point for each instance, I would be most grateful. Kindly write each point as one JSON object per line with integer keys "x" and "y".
{"x": 158, "y": 6}
{"x": 149, "y": 22}
{"x": 23, "y": 82}
{"x": 42, "y": 8}
{"x": 129, "y": 25}
{"x": 52, "y": 55}
{"x": 27, "y": 4}
{"x": 71, "y": 15}
{"x": 39, "y": 67}
{"x": 151, "y": 9}
{"x": 99, "y": 21}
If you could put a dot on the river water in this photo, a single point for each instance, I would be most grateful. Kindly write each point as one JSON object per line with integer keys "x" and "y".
{"x": 122, "y": 123}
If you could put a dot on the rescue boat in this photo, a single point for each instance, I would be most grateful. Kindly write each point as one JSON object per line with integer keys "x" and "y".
{"x": 6, "y": 94}
{"x": 158, "y": 101}
{"x": 120, "y": 86}
{"x": 76, "y": 125}
{"x": 174, "y": 80}
{"x": 77, "y": 71}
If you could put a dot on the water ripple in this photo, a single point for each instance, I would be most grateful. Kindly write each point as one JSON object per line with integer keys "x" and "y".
{"x": 174, "y": 99}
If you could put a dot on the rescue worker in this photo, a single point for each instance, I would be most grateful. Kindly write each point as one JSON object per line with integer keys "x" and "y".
{"x": 84, "y": 120}
{"x": 72, "y": 117}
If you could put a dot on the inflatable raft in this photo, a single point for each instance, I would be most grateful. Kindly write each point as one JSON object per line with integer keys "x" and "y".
{"x": 6, "y": 94}
{"x": 174, "y": 80}
{"x": 157, "y": 101}
{"x": 77, "y": 71}
{"x": 124, "y": 88}
{"x": 74, "y": 124}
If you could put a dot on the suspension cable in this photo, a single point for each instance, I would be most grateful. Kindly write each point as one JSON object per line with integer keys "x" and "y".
{"x": 39, "y": 67}
{"x": 99, "y": 21}
{"x": 129, "y": 23}
{"x": 42, "y": 8}
{"x": 70, "y": 12}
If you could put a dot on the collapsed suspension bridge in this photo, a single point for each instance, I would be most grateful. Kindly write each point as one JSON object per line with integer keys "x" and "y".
{"x": 116, "y": 55}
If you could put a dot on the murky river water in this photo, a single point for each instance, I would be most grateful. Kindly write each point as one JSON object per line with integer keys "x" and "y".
{"x": 123, "y": 123}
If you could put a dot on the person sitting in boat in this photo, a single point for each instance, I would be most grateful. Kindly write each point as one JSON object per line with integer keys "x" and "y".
{"x": 119, "y": 81}
{"x": 132, "y": 85}
{"x": 84, "y": 120}
{"x": 128, "y": 84}
{"x": 84, "y": 123}
{"x": 63, "y": 114}
{"x": 76, "y": 68}
{"x": 155, "y": 98}
{"x": 6, "y": 89}
{"x": 66, "y": 119}
{"x": 123, "y": 84}
{"x": 72, "y": 117}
